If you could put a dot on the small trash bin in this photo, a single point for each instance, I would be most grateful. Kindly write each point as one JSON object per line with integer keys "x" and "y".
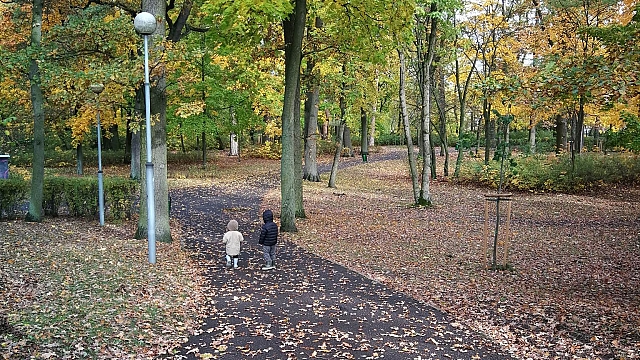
{"x": 4, "y": 166}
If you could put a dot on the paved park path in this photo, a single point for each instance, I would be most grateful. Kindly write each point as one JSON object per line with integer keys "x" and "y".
{"x": 309, "y": 307}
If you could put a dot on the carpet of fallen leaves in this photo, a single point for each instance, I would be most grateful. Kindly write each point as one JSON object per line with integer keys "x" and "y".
{"x": 70, "y": 289}
{"x": 572, "y": 290}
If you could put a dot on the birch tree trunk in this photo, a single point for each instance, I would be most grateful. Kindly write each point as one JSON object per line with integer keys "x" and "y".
{"x": 310, "y": 172}
{"x": 532, "y": 137}
{"x": 425, "y": 115}
{"x": 407, "y": 129}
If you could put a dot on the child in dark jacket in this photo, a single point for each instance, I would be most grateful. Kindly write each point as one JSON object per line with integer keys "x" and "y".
{"x": 268, "y": 240}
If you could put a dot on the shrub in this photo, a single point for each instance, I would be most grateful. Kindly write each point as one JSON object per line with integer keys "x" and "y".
{"x": 77, "y": 195}
{"x": 391, "y": 139}
{"x": 268, "y": 150}
{"x": 189, "y": 157}
{"x": 119, "y": 197}
{"x": 13, "y": 192}
{"x": 554, "y": 173}
{"x": 325, "y": 147}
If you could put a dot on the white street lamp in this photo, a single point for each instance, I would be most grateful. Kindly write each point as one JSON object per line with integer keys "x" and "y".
{"x": 97, "y": 89}
{"x": 145, "y": 24}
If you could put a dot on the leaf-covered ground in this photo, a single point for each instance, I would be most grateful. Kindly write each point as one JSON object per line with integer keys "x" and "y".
{"x": 574, "y": 287}
{"x": 309, "y": 307}
{"x": 70, "y": 289}
{"x": 80, "y": 291}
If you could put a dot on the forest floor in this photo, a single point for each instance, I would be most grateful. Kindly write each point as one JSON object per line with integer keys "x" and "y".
{"x": 571, "y": 289}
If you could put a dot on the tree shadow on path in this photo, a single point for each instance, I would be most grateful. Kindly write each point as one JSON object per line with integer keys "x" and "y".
{"x": 308, "y": 307}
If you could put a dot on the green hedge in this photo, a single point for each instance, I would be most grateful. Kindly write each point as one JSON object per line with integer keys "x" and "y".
{"x": 73, "y": 196}
{"x": 555, "y": 173}
{"x": 13, "y": 191}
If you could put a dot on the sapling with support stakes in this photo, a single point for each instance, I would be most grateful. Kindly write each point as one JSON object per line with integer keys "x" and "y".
{"x": 503, "y": 122}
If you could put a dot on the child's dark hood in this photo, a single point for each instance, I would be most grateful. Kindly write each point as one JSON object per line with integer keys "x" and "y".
{"x": 267, "y": 216}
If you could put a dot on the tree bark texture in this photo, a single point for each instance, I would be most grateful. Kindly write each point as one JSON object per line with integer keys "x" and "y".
{"x": 486, "y": 115}
{"x": 442, "y": 115}
{"x": 561, "y": 134}
{"x": 158, "y": 133}
{"x": 374, "y": 111}
{"x": 462, "y": 91}
{"x": 311, "y": 128}
{"x": 364, "y": 136}
{"x": 407, "y": 128}
{"x": 37, "y": 103}
{"x": 79, "y": 160}
{"x": 339, "y": 136}
{"x": 532, "y": 136}
{"x": 297, "y": 159}
{"x": 293, "y": 27}
{"x": 425, "y": 60}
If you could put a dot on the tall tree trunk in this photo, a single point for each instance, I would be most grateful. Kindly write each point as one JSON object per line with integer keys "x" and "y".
{"x": 579, "y": 133}
{"x": 374, "y": 112}
{"x": 442, "y": 114}
{"x": 310, "y": 131}
{"x": 158, "y": 134}
{"x": 297, "y": 159}
{"x": 432, "y": 153}
{"x": 561, "y": 134}
{"x": 293, "y": 27}
{"x": 425, "y": 116}
{"x": 183, "y": 149}
{"x": 407, "y": 129}
{"x": 203, "y": 137}
{"x": 462, "y": 91}
{"x": 347, "y": 144}
{"x": 336, "y": 156}
{"x": 37, "y": 103}
{"x": 364, "y": 136}
{"x": 127, "y": 139}
{"x": 79, "y": 159}
{"x": 114, "y": 142}
{"x": 532, "y": 136}
{"x": 486, "y": 116}
{"x": 203, "y": 97}
{"x": 339, "y": 136}
{"x": 135, "y": 155}
{"x": 311, "y": 127}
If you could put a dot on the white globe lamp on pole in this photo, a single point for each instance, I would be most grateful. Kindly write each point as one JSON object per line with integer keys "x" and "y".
{"x": 145, "y": 24}
{"x": 97, "y": 89}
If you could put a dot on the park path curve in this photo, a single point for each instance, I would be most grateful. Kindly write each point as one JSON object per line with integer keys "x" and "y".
{"x": 308, "y": 307}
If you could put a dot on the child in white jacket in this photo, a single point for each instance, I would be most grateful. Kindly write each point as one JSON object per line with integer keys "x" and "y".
{"x": 232, "y": 239}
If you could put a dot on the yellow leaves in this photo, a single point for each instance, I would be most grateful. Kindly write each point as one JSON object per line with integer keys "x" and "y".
{"x": 111, "y": 17}
{"x": 273, "y": 129}
{"x": 190, "y": 109}
{"x": 80, "y": 124}
{"x": 221, "y": 61}
{"x": 86, "y": 119}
